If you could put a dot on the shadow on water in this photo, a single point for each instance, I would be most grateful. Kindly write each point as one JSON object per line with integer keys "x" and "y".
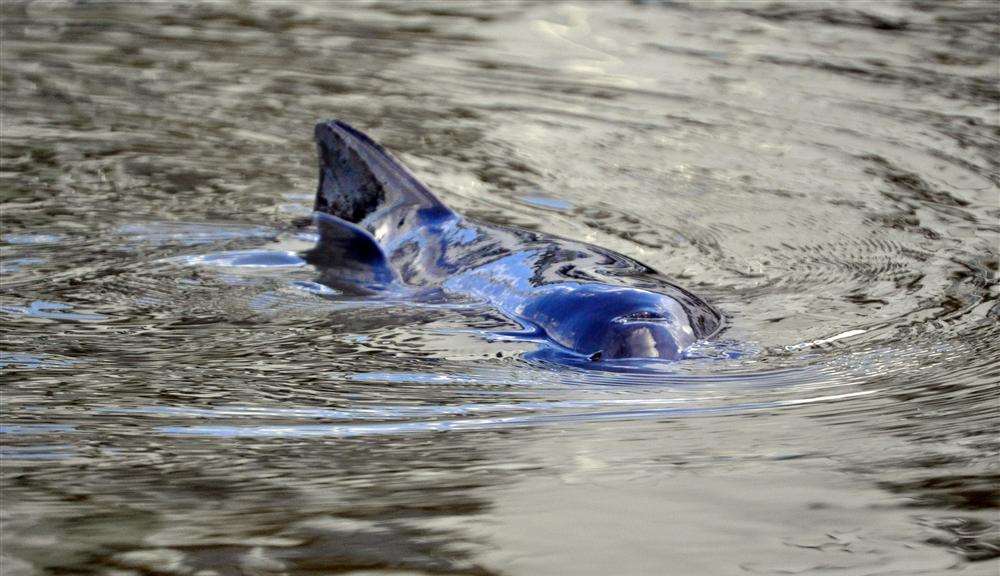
{"x": 180, "y": 393}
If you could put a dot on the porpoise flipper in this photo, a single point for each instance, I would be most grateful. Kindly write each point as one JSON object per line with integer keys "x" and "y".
{"x": 360, "y": 182}
{"x": 351, "y": 253}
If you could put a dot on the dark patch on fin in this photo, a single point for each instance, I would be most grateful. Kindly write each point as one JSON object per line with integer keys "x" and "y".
{"x": 347, "y": 253}
{"x": 358, "y": 177}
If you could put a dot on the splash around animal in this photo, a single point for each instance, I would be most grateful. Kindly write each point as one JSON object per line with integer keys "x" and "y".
{"x": 380, "y": 229}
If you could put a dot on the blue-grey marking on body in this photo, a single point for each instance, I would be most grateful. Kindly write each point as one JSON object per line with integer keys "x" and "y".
{"x": 382, "y": 229}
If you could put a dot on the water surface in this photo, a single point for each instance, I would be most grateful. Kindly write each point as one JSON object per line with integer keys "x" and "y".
{"x": 180, "y": 396}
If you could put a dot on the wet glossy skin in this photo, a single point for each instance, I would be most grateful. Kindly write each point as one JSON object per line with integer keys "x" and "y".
{"x": 379, "y": 226}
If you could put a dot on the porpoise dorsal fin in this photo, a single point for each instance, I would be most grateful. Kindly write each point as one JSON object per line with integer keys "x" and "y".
{"x": 359, "y": 180}
{"x": 349, "y": 255}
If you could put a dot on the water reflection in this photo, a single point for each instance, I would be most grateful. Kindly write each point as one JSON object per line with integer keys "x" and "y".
{"x": 825, "y": 174}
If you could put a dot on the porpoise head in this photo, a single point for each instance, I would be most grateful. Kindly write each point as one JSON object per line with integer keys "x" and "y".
{"x": 644, "y": 334}
{"x": 612, "y": 322}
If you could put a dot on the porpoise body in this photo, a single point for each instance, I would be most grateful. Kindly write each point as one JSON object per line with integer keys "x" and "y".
{"x": 379, "y": 227}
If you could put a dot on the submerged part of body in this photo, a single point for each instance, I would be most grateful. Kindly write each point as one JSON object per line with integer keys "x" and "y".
{"x": 380, "y": 227}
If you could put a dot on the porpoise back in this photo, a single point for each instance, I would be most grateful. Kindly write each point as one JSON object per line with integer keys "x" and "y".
{"x": 379, "y": 226}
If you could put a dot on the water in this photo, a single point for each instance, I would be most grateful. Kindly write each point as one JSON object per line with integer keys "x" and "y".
{"x": 181, "y": 397}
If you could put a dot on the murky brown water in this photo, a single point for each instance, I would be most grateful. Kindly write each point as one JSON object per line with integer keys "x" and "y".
{"x": 826, "y": 174}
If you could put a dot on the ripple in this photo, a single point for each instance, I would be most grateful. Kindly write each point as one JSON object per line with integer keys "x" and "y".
{"x": 479, "y": 424}
{"x": 548, "y": 203}
{"x": 32, "y": 239}
{"x": 189, "y": 234}
{"x": 14, "y": 265}
{"x": 248, "y": 259}
{"x": 23, "y": 360}
{"x": 51, "y": 311}
{"x": 181, "y": 394}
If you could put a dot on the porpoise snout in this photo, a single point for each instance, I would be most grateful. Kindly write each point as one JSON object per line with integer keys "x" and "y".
{"x": 640, "y": 339}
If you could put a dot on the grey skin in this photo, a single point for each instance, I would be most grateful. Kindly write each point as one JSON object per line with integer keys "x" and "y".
{"x": 382, "y": 229}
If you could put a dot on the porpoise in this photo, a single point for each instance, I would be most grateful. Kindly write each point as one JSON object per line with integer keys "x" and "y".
{"x": 381, "y": 229}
